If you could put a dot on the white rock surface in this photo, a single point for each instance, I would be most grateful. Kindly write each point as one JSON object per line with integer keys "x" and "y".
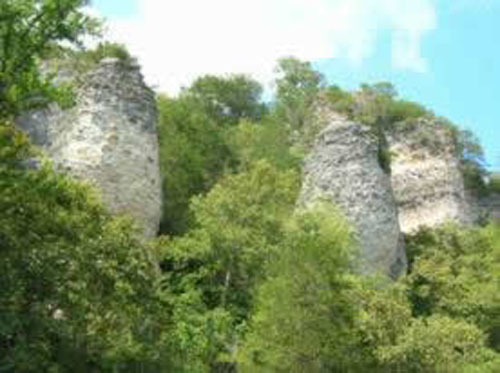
{"x": 109, "y": 138}
{"x": 343, "y": 167}
{"x": 426, "y": 176}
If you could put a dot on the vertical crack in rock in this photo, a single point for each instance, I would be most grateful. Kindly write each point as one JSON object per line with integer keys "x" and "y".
{"x": 109, "y": 138}
{"x": 343, "y": 167}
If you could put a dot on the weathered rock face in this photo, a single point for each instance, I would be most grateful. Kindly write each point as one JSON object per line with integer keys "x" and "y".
{"x": 426, "y": 176}
{"x": 343, "y": 167}
{"x": 109, "y": 139}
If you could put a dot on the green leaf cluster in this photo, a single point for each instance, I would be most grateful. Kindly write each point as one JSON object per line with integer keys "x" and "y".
{"x": 267, "y": 139}
{"x": 227, "y": 100}
{"x": 28, "y": 31}
{"x": 451, "y": 265}
{"x": 317, "y": 315}
{"x": 304, "y": 316}
{"x": 79, "y": 290}
{"x": 297, "y": 87}
{"x": 193, "y": 155}
{"x": 217, "y": 265}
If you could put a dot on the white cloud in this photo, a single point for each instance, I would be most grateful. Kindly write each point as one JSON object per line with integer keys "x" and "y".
{"x": 177, "y": 41}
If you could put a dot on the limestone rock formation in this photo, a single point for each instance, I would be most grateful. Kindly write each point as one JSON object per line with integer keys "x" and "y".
{"x": 426, "y": 176}
{"x": 109, "y": 138}
{"x": 343, "y": 167}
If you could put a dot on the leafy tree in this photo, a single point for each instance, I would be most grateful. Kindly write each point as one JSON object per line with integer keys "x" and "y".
{"x": 237, "y": 224}
{"x": 296, "y": 89}
{"x": 304, "y": 315}
{"x": 455, "y": 273}
{"x": 228, "y": 99}
{"x": 392, "y": 339}
{"x": 78, "y": 287}
{"x": 217, "y": 265}
{"x": 401, "y": 110}
{"x": 385, "y": 312}
{"x": 435, "y": 344}
{"x": 193, "y": 155}
{"x": 28, "y": 30}
{"x": 385, "y": 89}
{"x": 268, "y": 139}
{"x": 377, "y": 326}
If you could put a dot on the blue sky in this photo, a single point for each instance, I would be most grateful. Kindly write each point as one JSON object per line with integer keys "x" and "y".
{"x": 116, "y": 8}
{"x": 443, "y": 54}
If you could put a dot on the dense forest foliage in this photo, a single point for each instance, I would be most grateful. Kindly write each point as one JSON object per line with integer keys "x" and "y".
{"x": 238, "y": 279}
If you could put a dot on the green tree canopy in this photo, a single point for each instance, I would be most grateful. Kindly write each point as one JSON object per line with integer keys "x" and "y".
{"x": 193, "y": 155}
{"x": 28, "y": 30}
{"x": 213, "y": 269}
{"x": 450, "y": 265}
{"x": 228, "y": 99}
{"x": 296, "y": 88}
{"x": 236, "y": 226}
{"x": 267, "y": 139}
{"x": 303, "y": 319}
{"x": 78, "y": 289}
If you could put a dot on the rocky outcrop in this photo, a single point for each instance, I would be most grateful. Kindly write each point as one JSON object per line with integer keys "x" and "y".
{"x": 343, "y": 167}
{"x": 109, "y": 138}
{"x": 426, "y": 175}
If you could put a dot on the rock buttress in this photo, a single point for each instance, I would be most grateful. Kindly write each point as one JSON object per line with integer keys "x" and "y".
{"x": 426, "y": 176}
{"x": 109, "y": 139}
{"x": 344, "y": 168}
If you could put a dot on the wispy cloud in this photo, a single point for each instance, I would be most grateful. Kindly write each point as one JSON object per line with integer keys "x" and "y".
{"x": 176, "y": 41}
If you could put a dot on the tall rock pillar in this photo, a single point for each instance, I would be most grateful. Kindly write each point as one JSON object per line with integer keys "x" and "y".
{"x": 344, "y": 168}
{"x": 109, "y": 139}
